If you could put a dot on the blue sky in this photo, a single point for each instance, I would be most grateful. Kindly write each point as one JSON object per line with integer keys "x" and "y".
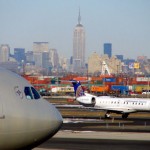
{"x": 124, "y": 23}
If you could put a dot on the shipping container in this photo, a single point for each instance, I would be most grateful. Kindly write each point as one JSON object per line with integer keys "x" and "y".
{"x": 109, "y": 79}
{"x": 120, "y": 80}
{"x": 142, "y": 79}
{"x": 130, "y": 87}
{"x": 96, "y": 80}
{"x": 123, "y": 89}
{"x": 62, "y": 89}
{"x": 140, "y": 88}
{"x": 81, "y": 79}
{"x": 99, "y": 89}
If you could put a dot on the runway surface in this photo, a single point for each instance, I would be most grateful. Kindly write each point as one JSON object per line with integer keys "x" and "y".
{"x": 96, "y": 134}
{"x": 97, "y": 141}
{"x": 86, "y": 130}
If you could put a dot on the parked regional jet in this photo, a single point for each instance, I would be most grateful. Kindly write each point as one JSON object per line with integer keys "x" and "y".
{"x": 26, "y": 120}
{"x": 123, "y": 106}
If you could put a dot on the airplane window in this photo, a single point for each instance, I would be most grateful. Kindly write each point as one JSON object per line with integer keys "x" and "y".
{"x": 28, "y": 93}
{"x": 35, "y": 93}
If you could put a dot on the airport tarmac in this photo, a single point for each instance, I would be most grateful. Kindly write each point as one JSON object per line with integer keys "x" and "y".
{"x": 86, "y": 130}
{"x": 69, "y": 140}
{"x": 87, "y": 134}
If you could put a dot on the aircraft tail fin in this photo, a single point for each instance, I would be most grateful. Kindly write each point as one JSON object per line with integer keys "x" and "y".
{"x": 78, "y": 90}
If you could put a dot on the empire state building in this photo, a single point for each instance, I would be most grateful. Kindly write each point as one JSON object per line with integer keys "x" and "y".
{"x": 79, "y": 46}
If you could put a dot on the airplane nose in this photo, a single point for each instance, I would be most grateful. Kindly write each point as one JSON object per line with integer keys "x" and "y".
{"x": 59, "y": 119}
{"x": 56, "y": 119}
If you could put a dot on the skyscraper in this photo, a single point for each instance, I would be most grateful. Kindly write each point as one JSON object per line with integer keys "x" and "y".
{"x": 4, "y": 53}
{"x": 79, "y": 45}
{"x": 120, "y": 57}
{"x": 54, "y": 58}
{"x": 38, "y": 49}
{"x": 108, "y": 49}
{"x": 29, "y": 57}
{"x": 19, "y": 54}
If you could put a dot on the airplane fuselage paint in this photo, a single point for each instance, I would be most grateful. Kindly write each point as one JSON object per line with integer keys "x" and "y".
{"x": 127, "y": 104}
{"x": 24, "y": 123}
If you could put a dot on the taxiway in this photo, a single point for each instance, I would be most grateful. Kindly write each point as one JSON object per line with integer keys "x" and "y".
{"x": 86, "y": 130}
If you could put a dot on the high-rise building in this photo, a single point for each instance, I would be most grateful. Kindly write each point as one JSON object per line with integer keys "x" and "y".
{"x": 54, "y": 58}
{"x": 120, "y": 57}
{"x": 79, "y": 45}
{"x": 38, "y": 49}
{"x": 19, "y": 54}
{"x": 45, "y": 60}
{"x": 4, "y": 53}
{"x": 94, "y": 63}
{"x": 38, "y": 59}
{"x": 29, "y": 56}
{"x": 108, "y": 49}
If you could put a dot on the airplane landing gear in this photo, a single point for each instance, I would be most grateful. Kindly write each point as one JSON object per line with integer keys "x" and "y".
{"x": 107, "y": 115}
{"x": 125, "y": 116}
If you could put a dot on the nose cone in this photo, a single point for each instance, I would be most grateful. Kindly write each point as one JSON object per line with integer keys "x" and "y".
{"x": 50, "y": 122}
{"x": 56, "y": 118}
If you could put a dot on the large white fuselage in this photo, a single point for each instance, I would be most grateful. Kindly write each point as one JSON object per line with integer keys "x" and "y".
{"x": 24, "y": 122}
{"x": 114, "y": 104}
{"x": 123, "y": 104}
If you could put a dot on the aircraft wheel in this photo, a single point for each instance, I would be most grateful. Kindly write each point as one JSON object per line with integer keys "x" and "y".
{"x": 125, "y": 116}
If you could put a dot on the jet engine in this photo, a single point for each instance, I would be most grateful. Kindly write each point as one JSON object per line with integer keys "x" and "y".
{"x": 87, "y": 101}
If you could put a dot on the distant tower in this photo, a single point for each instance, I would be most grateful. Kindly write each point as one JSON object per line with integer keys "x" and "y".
{"x": 38, "y": 49}
{"x": 19, "y": 54}
{"x": 78, "y": 46}
{"x": 120, "y": 57}
{"x": 54, "y": 58}
{"x": 29, "y": 57}
{"x": 108, "y": 49}
{"x": 4, "y": 53}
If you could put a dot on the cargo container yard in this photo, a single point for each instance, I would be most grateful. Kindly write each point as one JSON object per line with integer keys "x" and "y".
{"x": 99, "y": 85}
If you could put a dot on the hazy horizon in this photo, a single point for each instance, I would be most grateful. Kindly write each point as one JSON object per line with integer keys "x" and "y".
{"x": 125, "y": 24}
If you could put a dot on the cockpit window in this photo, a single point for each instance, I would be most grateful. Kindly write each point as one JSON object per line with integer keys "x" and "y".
{"x": 31, "y": 93}
{"x": 35, "y": 93}
{"x": 28, "y": 93}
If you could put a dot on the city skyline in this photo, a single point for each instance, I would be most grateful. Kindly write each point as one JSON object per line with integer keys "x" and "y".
{"x": 125, "y": 24}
